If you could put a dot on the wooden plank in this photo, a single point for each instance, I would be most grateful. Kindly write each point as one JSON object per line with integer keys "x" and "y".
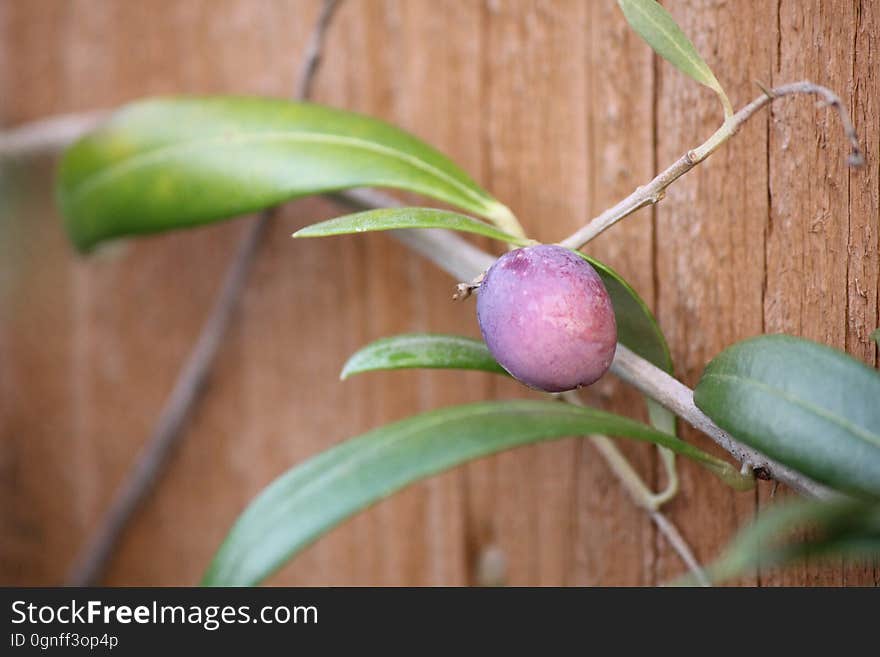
{"x": 709, "y": 229}
{"x": 535, "y": 135}
{"x": 450, "y": 115}
{"x": 235, "y": 441}
{"x": 131, "y": 318}
{"x": 821, "y": 279}
{"x": 416, "y": 537}
{"x": 37, "y": 411}
{"x": 613, "y": 543}
{"x": 545, "y": 93}
{"x": 863, "y": 274}
{"x": 38, "y": 438}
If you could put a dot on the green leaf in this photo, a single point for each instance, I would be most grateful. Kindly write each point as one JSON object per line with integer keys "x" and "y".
{"x": 657, "y": 27}
{"x": 427, "y": 350}
{"x": 314, "y": 496}
{"x": 807, "y": 405}
{"x": 875, "y": 336}
{"x": 637, "y": 329}
{"x": 175, "y": 162}
{"x": 795, "y": 530}
{"x": 397, "y": 218}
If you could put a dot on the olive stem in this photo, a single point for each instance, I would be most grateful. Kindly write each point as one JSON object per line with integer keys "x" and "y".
{"x": 655, "y": 190}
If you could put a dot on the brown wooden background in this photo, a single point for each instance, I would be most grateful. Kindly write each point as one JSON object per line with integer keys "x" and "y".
{"x": 554, "y": 106}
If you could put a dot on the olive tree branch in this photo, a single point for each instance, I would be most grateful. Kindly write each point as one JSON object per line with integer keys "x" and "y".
{"x": 678, "y": 398}
{"x": 168, "y": 431}
{"x": 464, "y": 261}
{"x": 48, "y": 135}
{"x": 655, "y": 190}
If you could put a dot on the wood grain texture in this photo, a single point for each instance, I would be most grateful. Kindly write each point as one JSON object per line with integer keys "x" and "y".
{"x": 619, "y": 147}
{"x": 560, "y": 110}
{"x": 821, "y": 253}
{"x": 709, "y": 229}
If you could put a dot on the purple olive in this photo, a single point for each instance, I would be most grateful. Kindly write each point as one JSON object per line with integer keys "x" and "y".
{"x": 547, "y": 318}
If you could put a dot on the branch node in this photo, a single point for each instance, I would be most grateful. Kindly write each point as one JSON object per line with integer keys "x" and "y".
{"x": 642, "y": 195}
{"x": 464, "y": 290}
{"x": 767, "y": 92}
{"x": 762, "y": 473}
{"x": 855, "y": 159}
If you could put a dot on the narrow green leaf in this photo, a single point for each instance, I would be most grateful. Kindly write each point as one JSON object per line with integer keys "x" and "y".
{"x": 422, "y": 350}
{"x": 175, "y": 162}
{"x": 397, "y": 218}
{"x": 314, "y": 496}
{"x": 798, "y": 529}
{"x": 638, "y": 330}
{"x": 657, "y": 27}
{"x": 875, "y": 336}
{"x": 636, "y": 326}
{"x": 804, "y": 404}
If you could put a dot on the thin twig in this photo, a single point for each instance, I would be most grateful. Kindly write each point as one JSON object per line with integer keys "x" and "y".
{"x": 48, "y": 135}
{"x": 167, "y": 433}
{"x": 641, "y": 494}
{"x": 678, "y": 398}
{"x": 314, "y": 53}
{"x": 144, "y": 475}
{"x": 676, "y": 540}
{"x": 655, "y": 190}
{"x": 638, "y": 490}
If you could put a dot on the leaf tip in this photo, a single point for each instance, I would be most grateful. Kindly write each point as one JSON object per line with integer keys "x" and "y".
{"x": 346, "y": 371}
{"x": 659, "y": 30}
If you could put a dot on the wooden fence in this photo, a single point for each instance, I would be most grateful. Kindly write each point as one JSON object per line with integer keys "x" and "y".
{"x": 556, "y": 107}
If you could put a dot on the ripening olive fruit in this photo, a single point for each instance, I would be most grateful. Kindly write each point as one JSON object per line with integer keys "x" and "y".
{"x": 547, "y": 318}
